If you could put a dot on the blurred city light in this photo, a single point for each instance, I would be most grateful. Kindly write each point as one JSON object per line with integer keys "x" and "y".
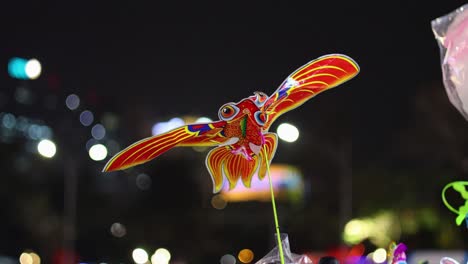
{"x": 161, "y": 256}
{"x": 17, "y": 68}
{"x": 379, "y": 256}
{"x": 245, "y": 255}
{"x": 34, "y": 132}
{"x": 91, "y": 142}
{"x": 227, "y": 259}
{"x": 72, "y": 101}
{"x": 86, "y": 118}
{"x": 98, "y": 131}
{"x": 98, "y": 152}
{"x": 287, "y": 132}
{"x": 140, "y": 256}
{"x": 23, "y": 69}
{"x": 288, "y": 185}
{"x": 355, "y": 231}
{"x": 112, "y": 147}
{"x": 380, "y": 229}
{"x": 143, "y": 181}
{"x": 162, "y": 127}
{"x": 118, "y": 230}
{"x": 23, "y": 95}
{"x": 203, "y": 119}
{"x": 35, "y": 258}
{"x": 8, "y": 120}
{"x": 33, "y": 69}
{"x": 25, "y": 258}
{"x": 46, "y": 148}
{"x": 218, "y": 202}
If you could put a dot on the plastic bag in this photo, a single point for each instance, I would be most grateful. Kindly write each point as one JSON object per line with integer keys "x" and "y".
{"x": 451, "y": 33}
{"x": 273, "y": 257}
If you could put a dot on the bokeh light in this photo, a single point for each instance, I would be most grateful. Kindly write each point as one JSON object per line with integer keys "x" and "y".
{"x": 23, "y": 95}
{"x": 287, "y": 132}
{"x": 46, "y": 148}
{"x": 91, "y": 142}
{"x": 72, "y": 101}
{"x": 34, "y": 132}
{"x": 227, "y": 259}
{"x": 25, "y": 258}
{"x": 17, "y": 68}
{"x": 379, "y": 256}
{"x": 140, "y": 256}
{"x": 162, "y": 127}
{"x": 203, "y": 119}
{"x": 98, "y": 131}
{"x": 35, "y": 258}
{"x": 161, "y": 256}
{"x": 98, "y": 152}
{"x": 245, "y": 255}
{"x": 380, "y": 229}
{"x": 8, "y": 120}
{"x": 218, "y": 202}
{"x": 355, "y": 231}
{"x": 33, "y": 69}
{"x": 86, "y": 118}
{"x": 143, "y": 181}
{"x": 118, "y": 230}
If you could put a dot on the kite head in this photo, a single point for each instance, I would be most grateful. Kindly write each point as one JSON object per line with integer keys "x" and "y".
{"x": 248, "y": 109}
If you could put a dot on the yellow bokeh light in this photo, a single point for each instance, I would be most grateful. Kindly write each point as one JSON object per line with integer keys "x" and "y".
{"x": 161, "y": 256}
{"x": 355, "y": 231}
{"x": 218, "y": 202}
{"x": 25, "y": 258}
{"x": 35, "y": 258}
{"x": 245, "y": 255}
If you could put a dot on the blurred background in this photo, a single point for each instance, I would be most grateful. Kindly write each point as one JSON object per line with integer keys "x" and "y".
{"x": 356, "y": 167}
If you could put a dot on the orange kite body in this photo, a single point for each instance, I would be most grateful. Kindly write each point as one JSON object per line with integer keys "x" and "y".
{"x": 243, "y": 144}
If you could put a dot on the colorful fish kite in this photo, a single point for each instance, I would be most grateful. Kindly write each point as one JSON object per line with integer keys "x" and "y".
{"x": 243, "y": 144}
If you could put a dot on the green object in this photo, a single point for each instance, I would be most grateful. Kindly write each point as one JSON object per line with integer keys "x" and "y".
{"x": 462, "y": 211}
{"x": 275, "y": 215}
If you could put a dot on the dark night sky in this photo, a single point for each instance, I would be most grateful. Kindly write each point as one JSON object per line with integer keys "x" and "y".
{"x": 149, "y": 62}
{"x": 140, "y": 54}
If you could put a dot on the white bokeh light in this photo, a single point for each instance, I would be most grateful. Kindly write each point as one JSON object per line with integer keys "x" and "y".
{"x": 163, "y": 127}
{"x": 161, "y": 256}
{"x": 203, "y": 119}
{"x": 98, "y": 152}
{"x": 287, "y": 132}
{"x": 33, "y": 69}
{"x": 139, "y": 256}
{"x": 46, "y": 148}
{"x": 379, "y": 256}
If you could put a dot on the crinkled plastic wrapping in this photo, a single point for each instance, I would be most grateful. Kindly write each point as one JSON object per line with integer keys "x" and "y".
{"x": 451, "y": 32}
{"x": 273, "y": 257}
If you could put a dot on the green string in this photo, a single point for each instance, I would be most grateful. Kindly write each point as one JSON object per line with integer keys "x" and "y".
{"x": 278, "y": 236}
{"x": 463, "y": 210}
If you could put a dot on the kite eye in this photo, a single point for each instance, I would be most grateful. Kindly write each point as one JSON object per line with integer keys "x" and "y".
{"x": 228, "y": 112}
{"x": 260, "y": 117}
